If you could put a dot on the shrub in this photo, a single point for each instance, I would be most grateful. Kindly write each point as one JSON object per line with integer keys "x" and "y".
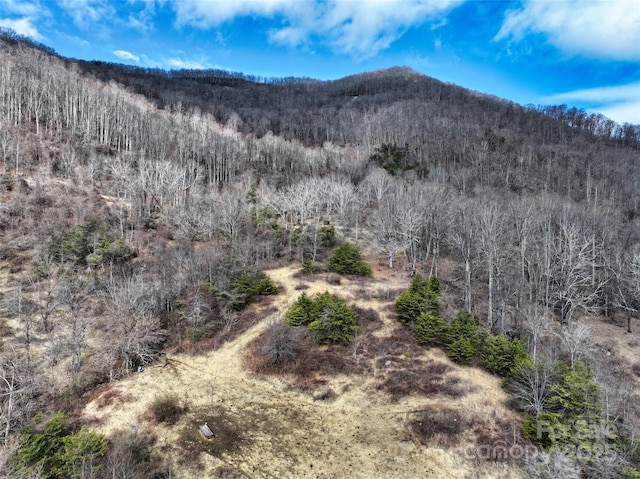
{"x": 334, "y": 280}
{"x": 264, "y": 286}
{"x": 440, "y": 427}
{"x": 347, "y": 259}
{"x": 281, "y": 344}
{"x": 245, "y": 287}
{"x": 630, "y": 473}
{"x": 166, "y": 409}
{"x": 307, "y": 266}
{"x": 545, "y": 428}
{"x": 329, "y": 319}
{"x": 335, "y": 323}
{"x": 131, "y": 455}
{"x": 328, "y": 236}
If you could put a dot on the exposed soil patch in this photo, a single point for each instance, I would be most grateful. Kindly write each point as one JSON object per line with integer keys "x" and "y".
{"x": 228, "y": 433}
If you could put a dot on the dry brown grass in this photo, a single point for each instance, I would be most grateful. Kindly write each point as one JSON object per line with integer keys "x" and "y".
{"x": 325, "y": 416}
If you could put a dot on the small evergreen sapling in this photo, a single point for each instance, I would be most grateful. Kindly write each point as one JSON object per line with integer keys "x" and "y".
{"x": 347, "y": 259}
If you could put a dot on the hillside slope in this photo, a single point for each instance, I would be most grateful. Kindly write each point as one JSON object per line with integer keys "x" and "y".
{"x": 267, "y": 427}
{"x": 138, "y": 210}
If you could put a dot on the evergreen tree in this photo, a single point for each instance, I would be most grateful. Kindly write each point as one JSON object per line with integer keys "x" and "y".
{"x": 409, "y": 306}
{"x": 422, "y": 296}
{"x": 41, "y": 443}
{"x": 462, "y": 338}
{"x": 577, "y": 395}
{"x": 461, "y": 350}
{"x": 430, "y": 329}
{"x": 59, "y": 455}
{"x": 301, "y": 312}
{"x": 347, "y": 259}
{"x": 81, "y": 453}
{"x": 329, "y": 319}
{"x": 501, "y": 356}
{"x": 336, "y": 324}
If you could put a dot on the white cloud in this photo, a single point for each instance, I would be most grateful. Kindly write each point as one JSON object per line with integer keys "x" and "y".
{"x": 598, "y": 29}
{"x": 143, "y": 19}
{"x": 621, "y": 103}
{"x": 22, "y": 26}
{"x": 29, "y": 11}
{"x": 20, "y": 7}
{"x": 125, "y": 55}
{"x": 628, "y": 112}
{"x": 208, "y": 13}
{"x": 180, "y": 64}
{"x": 87, "y": 12}
{"x": 358, "y": 28}
{"x": 630, "y": 91}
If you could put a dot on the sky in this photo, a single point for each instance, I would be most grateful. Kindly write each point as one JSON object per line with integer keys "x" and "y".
{"x": 582, "y": 53}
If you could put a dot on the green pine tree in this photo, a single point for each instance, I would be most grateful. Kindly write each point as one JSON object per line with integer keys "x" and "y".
{"x": 301, "y": 312}
{"x": 409, "y": 305}
{"x": 81, "y": 453}
{"x": 336, "y": 324}
{"x": 430, "y": 329}
{"x": 347, "y": 259}
{"x": 461, "y": 350}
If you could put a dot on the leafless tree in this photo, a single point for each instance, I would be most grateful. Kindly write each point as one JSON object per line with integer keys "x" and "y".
{"x": 135, "y": 330}
{"x": 491, "y": 232}
{"x": 576, "y": 340}
{"x": 538, "y": 327}
{"x": 572, "y": 280}
{"x": 25, "y": 311}
{"x": 72, "y": 294}
{"x": 282, "y": 342}
{"x": 461, "y": 236}
{"x": 551, "y": 465}
{"x": 531, "y": 385}
{"x": 376, "y": 185}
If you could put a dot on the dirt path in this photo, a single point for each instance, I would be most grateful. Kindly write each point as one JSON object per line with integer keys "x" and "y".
{"x": 267, "y": 429}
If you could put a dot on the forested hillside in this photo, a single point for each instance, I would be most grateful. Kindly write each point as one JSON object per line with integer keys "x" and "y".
{"x": 139, "y": 209}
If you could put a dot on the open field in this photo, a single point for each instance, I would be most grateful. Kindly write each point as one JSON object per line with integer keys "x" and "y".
{"x": 266, "y": 426}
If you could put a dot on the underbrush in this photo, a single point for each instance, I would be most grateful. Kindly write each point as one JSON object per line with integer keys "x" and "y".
{"x": 407, "y": 377}
{"x": 167, "y": 409}
{"x": 235, "y": 326}
{"x": 443, "y": 428}
{"x": 395, "y": 360}
{"x": 487, "y": 439}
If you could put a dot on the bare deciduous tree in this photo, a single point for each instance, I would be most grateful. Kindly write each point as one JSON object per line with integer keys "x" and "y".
{"x": 282, "y": 342}
{"x": 538, "y": 327}
{"x": 531, "y": 385}
{"x": 135, "y": 330}
{"x": 576, "y": 340}
{"x": 552, "y": 465}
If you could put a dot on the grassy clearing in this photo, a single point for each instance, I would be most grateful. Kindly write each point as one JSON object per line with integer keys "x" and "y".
{"x": 341, "y": 420}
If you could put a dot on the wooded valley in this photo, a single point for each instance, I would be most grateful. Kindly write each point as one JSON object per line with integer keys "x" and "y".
{"x": 141, "y": 211}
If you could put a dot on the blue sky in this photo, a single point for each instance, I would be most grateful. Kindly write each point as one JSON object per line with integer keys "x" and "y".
{"x": 583, "y": 53}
